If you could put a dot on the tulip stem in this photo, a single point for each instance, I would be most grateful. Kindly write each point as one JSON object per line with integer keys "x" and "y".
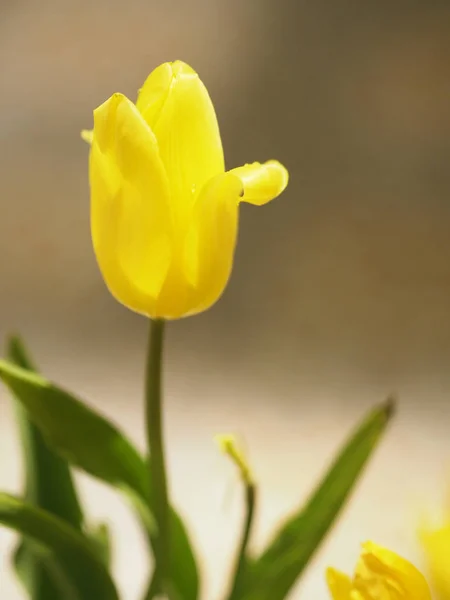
{"x": 241, "y": 558}
{"x": 158, "y": 480}
{"x": 229, "y": 446}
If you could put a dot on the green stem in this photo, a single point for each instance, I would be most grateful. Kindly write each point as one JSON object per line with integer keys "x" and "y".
{"x": 241, "y": 558}
{"x": 154, "y": 420}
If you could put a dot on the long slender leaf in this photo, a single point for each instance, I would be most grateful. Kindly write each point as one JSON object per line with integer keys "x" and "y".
{"x": 101, "y": 537}
{"x": 81, "y": 572}
{"x": 45, "y": 473}
{"x": 272, "y": 575}
{"x": 89, "y": 441}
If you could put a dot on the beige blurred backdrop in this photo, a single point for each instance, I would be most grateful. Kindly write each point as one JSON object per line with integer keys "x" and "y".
{"x": 341, "y": 287}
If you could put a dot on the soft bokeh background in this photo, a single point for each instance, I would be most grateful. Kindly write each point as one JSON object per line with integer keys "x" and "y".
{"x": 341, "y": 289}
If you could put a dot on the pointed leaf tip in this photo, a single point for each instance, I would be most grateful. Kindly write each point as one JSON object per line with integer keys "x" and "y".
{"x": 390, "y": 406}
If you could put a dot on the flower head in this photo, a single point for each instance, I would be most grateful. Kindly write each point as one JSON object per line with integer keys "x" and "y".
{"x": 164, "y": 212}
{"x": 435, "y": 538}
{"x": 379, "y": 575}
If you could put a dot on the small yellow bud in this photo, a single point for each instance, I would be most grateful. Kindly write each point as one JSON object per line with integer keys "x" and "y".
{"x": 228, "y": 444}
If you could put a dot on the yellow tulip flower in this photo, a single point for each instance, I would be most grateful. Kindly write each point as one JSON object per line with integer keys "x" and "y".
{"x": 379, "y": 575}
{"x": 436, "y": 543}
{"x": 164, "y": 212}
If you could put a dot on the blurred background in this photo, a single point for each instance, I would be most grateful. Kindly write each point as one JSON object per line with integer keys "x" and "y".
{"x": 341, "y": 287}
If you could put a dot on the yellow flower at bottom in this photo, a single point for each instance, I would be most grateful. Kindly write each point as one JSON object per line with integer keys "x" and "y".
{"x": 436, "y": 543}
{"x": 164, "y": 213}
{"x": 379, "y": 575}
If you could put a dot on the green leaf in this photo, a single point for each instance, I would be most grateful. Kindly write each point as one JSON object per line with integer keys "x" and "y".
{"x": 77, "y": 433}
{"x": 45, "y": 472}
{"x": 272, "y": 575}
{"x": 82, "y": 575}
{"x": 185, "y": 577}
{"x": 101, "y": 537}
{"x": 37, "y": 573}
{"x": 92, "y": 443}
{"x": 53, "y": 584}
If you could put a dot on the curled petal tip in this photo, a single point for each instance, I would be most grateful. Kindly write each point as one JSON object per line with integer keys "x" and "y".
{"x": 281, "y": 172}
{"x": 262, "y": 182}
{"x": 87, "y": 135}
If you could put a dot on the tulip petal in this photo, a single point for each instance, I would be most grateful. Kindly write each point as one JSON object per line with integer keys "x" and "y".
{"x": 177, "y": 106}
{"x": 383, "y": 570}
{"x": 87, "y": 135}
{"x": 130, "y": 213}
{"x": 211, "y": 240}
{"x": 436, "y": 543}
{"x": 339, "y": 584}
{"x": 262, "y": 182}
{"x": 154, "y": 93}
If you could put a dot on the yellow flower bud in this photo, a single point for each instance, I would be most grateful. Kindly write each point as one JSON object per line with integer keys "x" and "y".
{"x": 229, "y": 446}
{"x": 164, "y": 213}
{"x": 379, "y": 575}
{"x": 435, "y": 537}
